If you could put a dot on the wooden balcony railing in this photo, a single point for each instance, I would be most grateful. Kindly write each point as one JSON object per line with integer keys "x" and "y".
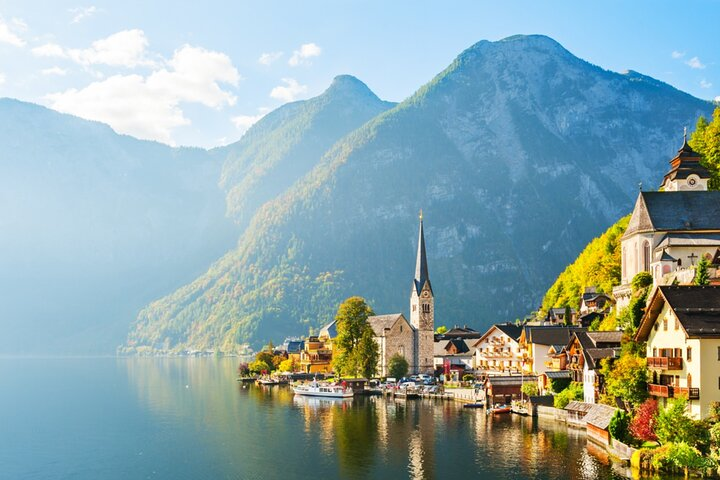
{"x": 665, "y": 363}
{"x": 690, "y": 393}
{"x": 660, "y": 390}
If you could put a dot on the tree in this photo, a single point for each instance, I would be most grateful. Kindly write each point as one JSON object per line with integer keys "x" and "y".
{"x": 367, "y": 353}
{"x": 674, "y": 426}
{"x": 568, "y": 315}
{"x": 642, "y": 425}
{"x": 706, "y": 141}
{"x": 529, "y": 389}
{"x": 626, "y": 377}
{"x": 398, "y": 366}
{"x": 702, "y": 277}
{"x": 573, "y": 392}
{"x": 259, "y": 366}
{"x": 287, "y": 365}
{"x": 351, "y": 321}
{"x": 619, "y": 424}
{"x": 243, "y": 369}
{"x": 557, "y": 385}
{"x": 441, "y": 329}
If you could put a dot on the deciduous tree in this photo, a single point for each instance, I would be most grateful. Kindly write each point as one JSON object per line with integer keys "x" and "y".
{"x": 398, "y": 366}
{"x": 642, "y": 425}
{"x": 351, "y": 321}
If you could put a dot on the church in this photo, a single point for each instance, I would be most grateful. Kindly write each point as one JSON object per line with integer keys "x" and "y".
{"x": 414, "y": 340}
{"x": 671, "y": 230}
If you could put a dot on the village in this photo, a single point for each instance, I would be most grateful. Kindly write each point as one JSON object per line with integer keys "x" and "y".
{"x": 616, "y": 384}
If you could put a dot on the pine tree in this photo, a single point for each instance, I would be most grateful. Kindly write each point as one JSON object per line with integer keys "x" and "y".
{"x": 702, "y": 277}
{"x": 568, "y": 315}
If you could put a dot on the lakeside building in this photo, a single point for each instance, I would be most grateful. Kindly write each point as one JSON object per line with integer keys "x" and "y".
{"x": 414, "y": 339}
{"x": 498, "y": 351}
{"x": 670, "y": 231}
{"x": 584, "y": 352}
{"x": 454, "y": 354}
{"x": 316, "y": 356}
{"x": 681, "y": 326}
{"x": 536, "y": 342}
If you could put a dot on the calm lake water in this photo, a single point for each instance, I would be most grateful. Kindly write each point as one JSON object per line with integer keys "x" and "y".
{"x": 189, "y": 419}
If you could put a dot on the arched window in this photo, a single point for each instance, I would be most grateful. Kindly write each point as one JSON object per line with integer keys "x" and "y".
{"x": 646, "y": 256}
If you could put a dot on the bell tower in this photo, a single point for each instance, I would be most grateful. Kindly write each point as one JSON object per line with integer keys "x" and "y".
{"x": 422, "y": 309}
{"x": 686, "y": 171}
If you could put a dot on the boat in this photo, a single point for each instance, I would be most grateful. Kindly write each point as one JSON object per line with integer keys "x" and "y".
{"x": 267, "y": 381}
{"x": 500, "y": 409}
{"x": 315, "y": 389}
{"x": 474, "y": 405}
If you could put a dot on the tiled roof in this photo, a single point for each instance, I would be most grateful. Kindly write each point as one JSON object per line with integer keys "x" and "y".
{"x": 599, "y": 416}
{"x": 576, "y": 406}
{"x": 549, "y": 335}
{"x": 675, "y": 211}
{"x": 380, "y": 323}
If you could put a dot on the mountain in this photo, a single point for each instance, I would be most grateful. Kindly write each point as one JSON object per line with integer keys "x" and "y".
{"x": 288, "y": 142}
{"x": 518, "y": 153}
{"x": 95, "y": 225}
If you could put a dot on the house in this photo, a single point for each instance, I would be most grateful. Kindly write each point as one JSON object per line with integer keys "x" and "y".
{"x": 454, "y": 354}
{"x": 413, "y": 339}
{"x": 316, "y": 357}
{"x": 464, "y": 332}
{"x": 294, "y": 349}
{"x": 556, "y": 316}
{"x": 681, "y": 326}
{"x": 670, "y": 231}
{"x": 536, "y": 341}
{"x": 594, "y": 301}
{"x": 597, "y": 421}
{"x": 497, "y": 351}
{"x": 394, "y": 335}
{"x": 584, "y": 352}
{"x": 505, "y": 389}
{"x": 589, "y": 318}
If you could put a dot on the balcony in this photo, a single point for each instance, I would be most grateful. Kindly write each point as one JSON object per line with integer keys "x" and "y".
{"x": 660, "y": 390}
{"x": 690, "y": 393}
{"x": 665, "y": 363}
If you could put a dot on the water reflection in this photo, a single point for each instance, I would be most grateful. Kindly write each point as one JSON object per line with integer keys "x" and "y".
{"x": 253, "y": 431}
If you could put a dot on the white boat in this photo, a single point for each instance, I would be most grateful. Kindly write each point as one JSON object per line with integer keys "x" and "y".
{"x": 315, "y": 389}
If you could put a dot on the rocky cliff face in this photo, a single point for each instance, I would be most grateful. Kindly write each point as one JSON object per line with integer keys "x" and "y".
{"x": 518, "y": 153}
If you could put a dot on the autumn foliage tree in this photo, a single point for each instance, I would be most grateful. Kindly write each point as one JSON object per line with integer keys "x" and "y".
{"x": 642, "y": 426}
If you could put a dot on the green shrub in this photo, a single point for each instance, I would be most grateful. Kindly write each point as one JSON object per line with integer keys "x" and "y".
{"x": 573, "y": 392}
{"x": 618, "y": 427}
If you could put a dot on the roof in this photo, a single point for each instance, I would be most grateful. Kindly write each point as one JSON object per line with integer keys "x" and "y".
{"x": 560, "y": 311}
{"x": 557, "y": 374}
{"x": 380, "y": 323}
{"x": 559, "y": 348}
{"x": 686, "y": 163}
{"x": 675, "y": 211}
{"x": 510, "y": 329}
{"x": 422, "y": 276}
{"x": 575, "y": 406}
{"x": 599, "y": 416}
{"x": 549, "y": 335}
{"x": 597, "y": 345}
{"x": 329, "y": 330}
{"x": 460, "y": 332}
{"x": 460, "y": 345}
{"x": 295, "y": 346}
{"x": 510, "y": 380}
{"x": 688, "y": 240}
{"x": 696, "y": 307}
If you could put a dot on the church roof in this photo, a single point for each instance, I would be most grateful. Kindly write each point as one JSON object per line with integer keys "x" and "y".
{"x": 696, "y": 307}
{"x": 675, "y": 211}
{"x": 380, "y": 323}
{"x": 421, "y": 268}
{"x": 689, "y": 240}
{"x": 329, "y": 330}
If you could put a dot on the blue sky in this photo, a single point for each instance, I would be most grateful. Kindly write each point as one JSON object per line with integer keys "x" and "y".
{"x": 199, "y": 73}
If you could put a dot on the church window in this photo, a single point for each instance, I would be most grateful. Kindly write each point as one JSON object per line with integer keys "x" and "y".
{"x": 400, "y": 328}
{"x": 414, "y": 308}
{"x": 646, "y": 256}
{"x": 426, "y": 308}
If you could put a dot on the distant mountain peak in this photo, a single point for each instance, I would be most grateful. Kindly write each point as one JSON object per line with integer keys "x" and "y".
{"x": 348, "y": 85}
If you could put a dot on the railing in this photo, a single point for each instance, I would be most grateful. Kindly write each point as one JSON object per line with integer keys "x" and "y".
{"x": 660, "y": 390}
{"x": 665, "y": 363}
{"x": 690, "y": 393}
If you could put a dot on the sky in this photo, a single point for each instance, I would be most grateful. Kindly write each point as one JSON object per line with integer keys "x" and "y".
{"x": 201, "y": 73}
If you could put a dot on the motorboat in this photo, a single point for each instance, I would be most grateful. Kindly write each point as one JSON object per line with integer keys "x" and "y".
{"x": 316, "y": 389}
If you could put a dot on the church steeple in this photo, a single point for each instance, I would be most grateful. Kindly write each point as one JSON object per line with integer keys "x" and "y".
{"x": 421, "y": 268}
{"x": 686, "y": 171}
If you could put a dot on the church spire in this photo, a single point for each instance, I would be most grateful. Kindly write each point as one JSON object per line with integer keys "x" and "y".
{"x": 421, "y": 268}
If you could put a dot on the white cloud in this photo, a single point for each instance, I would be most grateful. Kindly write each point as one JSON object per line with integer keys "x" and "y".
{"x": 675, "y": 54}
{"x": 19, "y": 24}
{"x": 289, "y": 91}
{"x": 2, "y": 78}
{"x": 269, "y": 58}
{"x": 717, "y": 99}
{"x": 695, "y": 63}
{"x": 7, "y": 35}
{"x": 244, "y": 122}
{"x": 301, "y": 56}
{"x": 705, "y": 84}
{"x": 80, "y": 14}
{"x": 54, "y": 71}
{"x": 127, "y": 48}
{"x": 49, "y": 50}
{"x": 149, "y": 106}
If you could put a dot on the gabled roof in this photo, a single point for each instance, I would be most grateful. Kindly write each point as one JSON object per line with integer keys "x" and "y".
{"x": 597, "y": 345}
{"x": 575, "y": 406}
{"x": 675, "y": 211}
{"x": 548, "y": 335}
{"x": 380, "y": 323}
{"x": 599, "y": 416}
{"x": 329, "y": 330}
{"x": 511, "y": 330}
{"x": 460, "y": 345}
{"x": 696, "y": 307}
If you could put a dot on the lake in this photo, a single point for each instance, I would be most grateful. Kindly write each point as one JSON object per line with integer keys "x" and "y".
{"x": 188, "y": 418}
